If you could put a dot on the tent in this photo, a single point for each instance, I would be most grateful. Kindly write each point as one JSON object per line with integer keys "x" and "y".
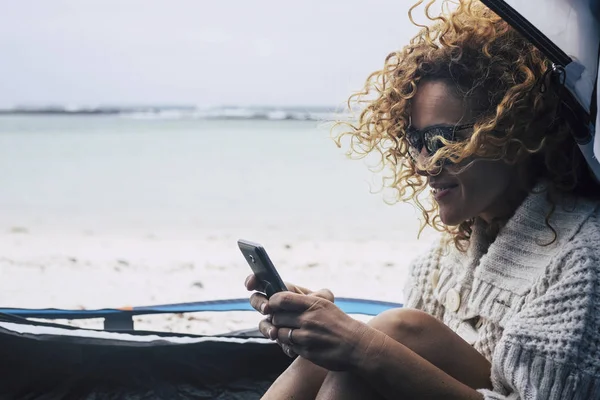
{"x": 568, "y": 33}
{"x": 42, "y": 360}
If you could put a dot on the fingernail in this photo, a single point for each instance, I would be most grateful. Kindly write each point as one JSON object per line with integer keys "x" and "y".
{"x": 270, "y": 333}
{"x": 262, "y": 307}
{"x": 247, "y": 279}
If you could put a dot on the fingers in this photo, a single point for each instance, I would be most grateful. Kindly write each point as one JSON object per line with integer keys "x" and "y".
{"x": 253, "y": 283}
{"x": 296, "y": 289}
{"x": 286, "y": 338}
{"x": 288, "y": 301}
{"x": 267, "y": 329}
{"x": 287, "y": 319}
{"x": 272, "y": 332}
{"x": 289, "y": 351}
{"x": 324, "y": 294}
{"x": 291, "y": 341}
{"x": 260, "y": 303}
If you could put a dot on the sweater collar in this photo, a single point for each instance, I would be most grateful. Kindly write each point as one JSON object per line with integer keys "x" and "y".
{"x": 526, "y": 245}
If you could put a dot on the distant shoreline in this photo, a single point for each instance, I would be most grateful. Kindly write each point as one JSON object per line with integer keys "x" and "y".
{"x": 220, "y": 113}
{"x": 59, "y": 112}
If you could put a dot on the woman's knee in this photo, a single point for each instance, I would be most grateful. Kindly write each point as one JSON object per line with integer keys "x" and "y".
{"x": 402, "y": 324}
{"x": 435, "y": 342}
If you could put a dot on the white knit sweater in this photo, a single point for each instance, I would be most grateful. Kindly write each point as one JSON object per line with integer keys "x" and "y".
{"x": 532, "y": 310}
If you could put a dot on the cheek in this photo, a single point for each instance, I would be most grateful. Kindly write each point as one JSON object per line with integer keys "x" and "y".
{"x": 484, "y": 181}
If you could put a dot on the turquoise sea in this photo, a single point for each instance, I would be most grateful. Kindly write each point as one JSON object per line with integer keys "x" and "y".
{"x": 116, "y": 173}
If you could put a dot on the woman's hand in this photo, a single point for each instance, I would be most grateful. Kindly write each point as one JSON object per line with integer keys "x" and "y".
{"x": 252, "y": 283}
{"x": 316, "y": 329}
{"x": 260, "y": 303}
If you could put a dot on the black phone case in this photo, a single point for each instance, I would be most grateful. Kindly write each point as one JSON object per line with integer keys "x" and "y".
{"x": 261, "y": 265}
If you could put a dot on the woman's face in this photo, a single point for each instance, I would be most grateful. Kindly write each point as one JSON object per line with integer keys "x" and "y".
{"x": 484, "y": 188}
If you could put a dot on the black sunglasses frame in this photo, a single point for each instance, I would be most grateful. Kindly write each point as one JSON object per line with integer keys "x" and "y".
{"x": 429, "y": 138}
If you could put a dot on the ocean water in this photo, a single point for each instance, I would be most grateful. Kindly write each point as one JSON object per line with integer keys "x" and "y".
{"x": 118, "y": 173}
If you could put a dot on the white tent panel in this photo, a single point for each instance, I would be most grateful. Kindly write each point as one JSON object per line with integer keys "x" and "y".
{"x": 573, "y": 26}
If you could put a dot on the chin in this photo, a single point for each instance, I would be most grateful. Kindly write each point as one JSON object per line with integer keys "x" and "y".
{"x": 450, "y": 218}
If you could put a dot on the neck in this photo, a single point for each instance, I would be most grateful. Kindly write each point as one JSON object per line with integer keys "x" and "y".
{"x": 504, "y": 207}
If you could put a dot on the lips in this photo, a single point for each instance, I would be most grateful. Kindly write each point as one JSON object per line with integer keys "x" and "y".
{"x": 441, "y": 189}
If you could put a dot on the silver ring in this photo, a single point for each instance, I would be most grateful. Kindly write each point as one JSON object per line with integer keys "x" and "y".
{"x": 290, "y": 340}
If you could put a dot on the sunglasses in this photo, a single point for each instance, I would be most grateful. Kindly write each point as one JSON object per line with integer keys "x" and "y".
{"x": 430, "y": 138}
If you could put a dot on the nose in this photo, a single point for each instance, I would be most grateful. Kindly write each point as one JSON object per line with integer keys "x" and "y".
{"x": 421, "y": 160}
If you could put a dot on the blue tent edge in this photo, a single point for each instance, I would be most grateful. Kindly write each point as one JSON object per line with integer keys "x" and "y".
{"x": 348, "y": 305}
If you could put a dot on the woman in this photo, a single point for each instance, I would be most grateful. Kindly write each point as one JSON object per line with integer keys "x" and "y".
{"x": 507, "y": 304}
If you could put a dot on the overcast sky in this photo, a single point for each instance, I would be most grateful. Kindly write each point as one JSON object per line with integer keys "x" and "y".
{"x": 247, "y": 52}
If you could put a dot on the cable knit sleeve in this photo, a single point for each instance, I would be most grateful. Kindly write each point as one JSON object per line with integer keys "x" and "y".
{"x": 551, "y": 348}
{"x": 418, "y": 290}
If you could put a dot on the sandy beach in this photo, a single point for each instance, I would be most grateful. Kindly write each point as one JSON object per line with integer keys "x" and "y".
{"x": 95, "y": 270}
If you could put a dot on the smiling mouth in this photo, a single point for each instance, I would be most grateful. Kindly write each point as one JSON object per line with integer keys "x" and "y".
{"x": 442, "y": 191}
{"x": 442, "y": 188}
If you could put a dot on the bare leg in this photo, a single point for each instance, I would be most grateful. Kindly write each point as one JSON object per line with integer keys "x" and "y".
{"x": 424, "y": 335}
{"x": 300, "y": 381}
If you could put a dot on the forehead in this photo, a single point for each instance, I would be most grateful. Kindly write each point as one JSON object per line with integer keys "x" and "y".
{"x": 435, "y": 104}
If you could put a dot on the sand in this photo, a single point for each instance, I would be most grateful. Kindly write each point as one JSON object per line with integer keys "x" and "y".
{"x": 86, "y": 269}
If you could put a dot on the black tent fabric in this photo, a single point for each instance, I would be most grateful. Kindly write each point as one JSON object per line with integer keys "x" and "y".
{"x": 48, "y": 361}
{"x": 40, "y": 360}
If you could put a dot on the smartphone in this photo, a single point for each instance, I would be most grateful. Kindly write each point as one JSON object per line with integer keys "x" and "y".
{"x": 261, "y": 265}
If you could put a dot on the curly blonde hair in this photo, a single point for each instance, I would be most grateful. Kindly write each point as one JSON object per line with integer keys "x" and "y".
{"x": 502, "y": 78}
